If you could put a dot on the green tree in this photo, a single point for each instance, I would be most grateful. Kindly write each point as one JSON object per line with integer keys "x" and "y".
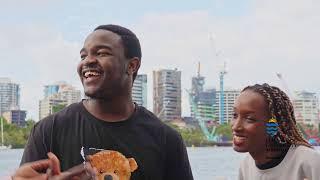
{"x": 58, "y": 107}
{"x": 191, "y": 137}
{"x": 17, "y": 136}
{"x": 225, "y": 131}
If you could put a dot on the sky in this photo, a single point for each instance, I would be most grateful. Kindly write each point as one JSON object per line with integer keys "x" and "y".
{"x": 41, "y": 40}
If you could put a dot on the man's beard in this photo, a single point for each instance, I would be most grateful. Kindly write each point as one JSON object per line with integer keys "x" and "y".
{"x": 98, "y": 96}
{"x": 105, "y": 94}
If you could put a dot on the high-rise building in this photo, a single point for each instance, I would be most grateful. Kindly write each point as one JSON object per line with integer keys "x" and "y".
{"x": 197, "y": 85}
{"x": 51, "y": 89}
{"x": 139, "y": 90}
{"x": 63, "y": 91}
{"x": 203, "y": 105}
{"x": 9, "y": 95}
{"x": 46, "y": 105}
{"x": 69, "y": 93}
{"x": 17, "y": 117}
{"x": 201, "y": 101}
{"x": 230, "y": 96}
{"x": 167, "y": 94}
{"x": 58, "y": 94}
{"x": 306, "y": 107}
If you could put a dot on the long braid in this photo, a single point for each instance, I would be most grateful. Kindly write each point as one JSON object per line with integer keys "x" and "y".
{"x": 280, "y": 108}
{"x": 295, "y": 131}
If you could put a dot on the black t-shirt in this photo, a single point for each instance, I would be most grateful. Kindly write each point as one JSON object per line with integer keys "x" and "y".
{"x": 158, "y": 149}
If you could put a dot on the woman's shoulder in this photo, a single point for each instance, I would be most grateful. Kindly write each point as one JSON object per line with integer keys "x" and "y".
{"x": 306, "y": 154}
{"x": 304, "y": 149}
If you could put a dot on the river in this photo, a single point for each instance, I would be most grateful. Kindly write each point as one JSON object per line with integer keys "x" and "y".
{"x": 207, "y": 163}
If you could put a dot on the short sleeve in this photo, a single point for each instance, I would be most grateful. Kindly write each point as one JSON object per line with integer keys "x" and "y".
{"x": 177, "y": 164}
{"x": 39, "y": 141}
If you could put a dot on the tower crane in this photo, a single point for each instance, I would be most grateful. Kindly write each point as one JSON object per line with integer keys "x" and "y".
{"x": 221, "y": 99}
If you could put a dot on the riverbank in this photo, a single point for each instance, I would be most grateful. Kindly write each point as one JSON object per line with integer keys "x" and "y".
{"x": 207, "y": 163}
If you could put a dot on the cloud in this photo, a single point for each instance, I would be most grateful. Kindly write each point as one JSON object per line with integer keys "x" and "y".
{"x": 271, "y": 36}
{"x": 39, "y": 56}
{"x": 27, "y": 3}
{"x": 274, "y": 36}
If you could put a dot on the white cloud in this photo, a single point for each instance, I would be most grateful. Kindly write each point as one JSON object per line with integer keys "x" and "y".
{"x": 27, "y": 3}
{"x": 39, "y": 56}
{"x": 275, "y": 36}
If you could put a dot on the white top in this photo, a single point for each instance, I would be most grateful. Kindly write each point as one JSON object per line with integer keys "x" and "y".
{"x": 299, "y": 163}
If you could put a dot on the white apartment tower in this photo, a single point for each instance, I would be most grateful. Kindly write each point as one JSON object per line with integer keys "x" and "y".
{"x": 167, "y": 94}
{"x": 306, "y": 107}
{"x": 57, "y": 94}
{"x": 230, "y": 96}
{"x": 9, "y": 95}
{"x": 139, "y": 90}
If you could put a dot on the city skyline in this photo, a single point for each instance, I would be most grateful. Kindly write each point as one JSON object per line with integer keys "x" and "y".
{"x": 257, "y": 39}
{"x": 65, "y": 87}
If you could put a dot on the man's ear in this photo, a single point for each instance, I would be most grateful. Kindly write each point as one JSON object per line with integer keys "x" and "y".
{"x": 133, "y": 65}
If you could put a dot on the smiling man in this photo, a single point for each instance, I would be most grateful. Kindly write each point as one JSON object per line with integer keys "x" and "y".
{"x": 109, "y": 119}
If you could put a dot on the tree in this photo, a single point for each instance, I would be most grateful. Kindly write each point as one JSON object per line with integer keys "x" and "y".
{"x": 191, "y": 137}
{"x": 225, "y": 131}
{"x": 58, "y": 107}
{"x": 17, "y": 136}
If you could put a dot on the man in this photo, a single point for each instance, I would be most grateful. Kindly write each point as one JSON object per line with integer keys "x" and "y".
{"x": 110, "y": 59}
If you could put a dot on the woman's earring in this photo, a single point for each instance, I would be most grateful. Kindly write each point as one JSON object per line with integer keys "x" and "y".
{"x": 272, "y": 127}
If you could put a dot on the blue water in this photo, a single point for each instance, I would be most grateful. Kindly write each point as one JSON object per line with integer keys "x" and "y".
{"x": 214, "y": 163}
{"x": 207, "y": 163}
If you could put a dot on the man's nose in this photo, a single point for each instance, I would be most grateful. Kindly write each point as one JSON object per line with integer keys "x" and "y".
{"x": 90, "y": 59}
{"x": 236, "y": 124}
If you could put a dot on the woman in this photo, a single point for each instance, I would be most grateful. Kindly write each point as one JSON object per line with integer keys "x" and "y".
{"x": 264, "y": 125}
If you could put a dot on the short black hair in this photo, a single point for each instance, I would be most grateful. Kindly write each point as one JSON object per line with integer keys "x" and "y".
{"x": 130, "y": 41}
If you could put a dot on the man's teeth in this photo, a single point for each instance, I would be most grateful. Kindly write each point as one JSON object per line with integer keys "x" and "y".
{"x": 91, "y": 73}
{"x": 238, "y": 138}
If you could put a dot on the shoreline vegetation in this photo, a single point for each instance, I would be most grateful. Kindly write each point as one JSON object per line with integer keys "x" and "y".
{"x": 17, "y": 136}
{"x": 193, "y": 137}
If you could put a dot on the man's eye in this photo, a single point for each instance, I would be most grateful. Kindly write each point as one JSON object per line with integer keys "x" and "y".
{"x": 83, "y": 57}
{"x": 250, "y": 119}
{"x": 103, "y": 53}
{"x": 235, "y": 115}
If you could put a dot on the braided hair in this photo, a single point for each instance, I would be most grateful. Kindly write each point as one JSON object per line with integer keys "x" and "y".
{"x": 281, "y": 109}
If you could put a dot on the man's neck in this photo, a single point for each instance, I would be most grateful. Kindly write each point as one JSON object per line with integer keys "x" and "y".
{"x": 110, "y": 110}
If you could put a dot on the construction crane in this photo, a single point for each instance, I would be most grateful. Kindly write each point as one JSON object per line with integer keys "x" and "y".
{"x": 285, "y": 85}
{"x": 211, "y": 136}
{"x": 222, "y": 73}
{"x": 197, "y": 88}
{"x": 221, "y": 99}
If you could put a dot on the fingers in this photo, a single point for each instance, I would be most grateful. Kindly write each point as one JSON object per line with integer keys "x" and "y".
{"x": 38, "y": 177}
{"x": 40, "y": 165}
{"x": 32, "y": 171}
{"x": 90, "y": 169}
{"x": 54, "y": 164}
{"x": 72, "y": 173}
